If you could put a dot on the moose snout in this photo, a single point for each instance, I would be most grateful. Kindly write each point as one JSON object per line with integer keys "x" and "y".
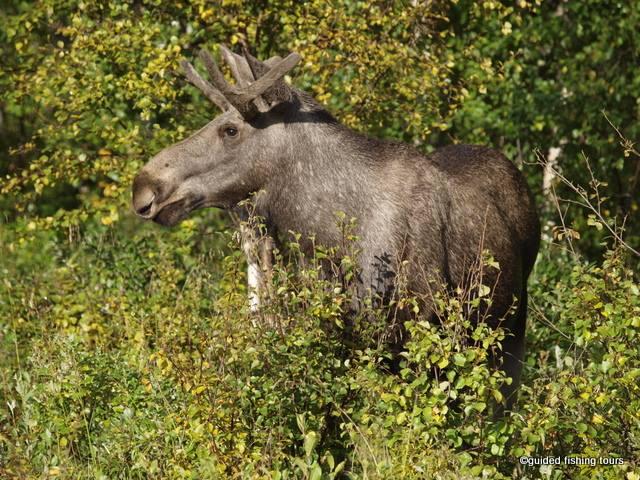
{"x": 145, "y": 193}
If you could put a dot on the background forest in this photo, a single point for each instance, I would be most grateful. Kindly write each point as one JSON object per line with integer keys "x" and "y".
{"x": 127, "y": 350}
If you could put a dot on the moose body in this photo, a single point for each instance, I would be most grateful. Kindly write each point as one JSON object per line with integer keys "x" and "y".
{"x": 430, "y": 215}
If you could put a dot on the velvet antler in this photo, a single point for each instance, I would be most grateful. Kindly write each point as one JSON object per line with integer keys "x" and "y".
{"x": 242, "y": 96}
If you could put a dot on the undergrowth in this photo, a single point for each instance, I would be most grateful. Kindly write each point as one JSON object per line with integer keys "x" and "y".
{"x": 130, "y": 352}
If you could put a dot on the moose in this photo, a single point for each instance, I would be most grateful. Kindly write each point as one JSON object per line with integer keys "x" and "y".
{"x": 426, "y": 214}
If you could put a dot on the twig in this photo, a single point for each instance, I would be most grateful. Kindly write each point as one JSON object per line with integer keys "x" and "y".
{"x": 586, "y": 202}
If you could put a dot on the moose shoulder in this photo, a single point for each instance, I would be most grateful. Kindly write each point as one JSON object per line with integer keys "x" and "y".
{"x": 432, "y": 214}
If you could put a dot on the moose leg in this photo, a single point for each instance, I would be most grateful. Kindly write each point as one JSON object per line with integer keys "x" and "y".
{"x": 513, "y": 347}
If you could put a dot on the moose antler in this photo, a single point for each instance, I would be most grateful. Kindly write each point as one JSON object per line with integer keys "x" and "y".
{"x": 209, "y": 90}
{"x": 243, "y": 73}
{"x": 239, "y": 67}
{"x": 225, "y": 95}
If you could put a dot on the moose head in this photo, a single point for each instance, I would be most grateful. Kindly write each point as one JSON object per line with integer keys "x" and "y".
{"x": 232, "y": 156}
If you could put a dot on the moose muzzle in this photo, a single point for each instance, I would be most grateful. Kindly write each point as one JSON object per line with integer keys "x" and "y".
{"x": 145, "y": 195}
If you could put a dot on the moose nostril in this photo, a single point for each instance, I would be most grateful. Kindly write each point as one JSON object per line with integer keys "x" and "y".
{"x": 146, "y": 209}
{"x": 143, "y": 203}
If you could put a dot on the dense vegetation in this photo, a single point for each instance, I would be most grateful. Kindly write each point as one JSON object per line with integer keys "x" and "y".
{"x": 128, "y": 350}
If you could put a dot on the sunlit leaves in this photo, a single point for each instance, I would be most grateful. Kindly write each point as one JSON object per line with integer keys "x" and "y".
{"x": 90, "y": 78}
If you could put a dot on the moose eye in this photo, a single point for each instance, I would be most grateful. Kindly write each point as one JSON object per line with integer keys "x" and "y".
{"x": 230, "y": 131}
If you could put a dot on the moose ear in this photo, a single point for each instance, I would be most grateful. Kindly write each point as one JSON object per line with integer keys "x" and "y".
{"x": 279, "y": 91}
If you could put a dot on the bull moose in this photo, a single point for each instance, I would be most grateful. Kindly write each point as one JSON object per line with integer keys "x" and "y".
{"x": 426, "y": 213}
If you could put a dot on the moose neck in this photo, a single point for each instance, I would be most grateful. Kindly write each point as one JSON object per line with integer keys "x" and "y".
{"x": 325, "y": 169}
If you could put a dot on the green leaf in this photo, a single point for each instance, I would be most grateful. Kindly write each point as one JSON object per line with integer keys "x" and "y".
{"x": 310, "y": 441}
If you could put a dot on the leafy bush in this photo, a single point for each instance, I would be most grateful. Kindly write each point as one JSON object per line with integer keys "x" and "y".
{"x": 129, "y": 357}
{"x": 127, "y": 351}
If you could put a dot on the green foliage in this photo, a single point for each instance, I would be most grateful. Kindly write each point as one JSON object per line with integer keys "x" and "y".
{"x": 583, "y": 376}
{"x": 540, "y": 76}
{"x": 96, "y": 90}
{"x": 135, "y": 354}
{"x": 127, "y": 351}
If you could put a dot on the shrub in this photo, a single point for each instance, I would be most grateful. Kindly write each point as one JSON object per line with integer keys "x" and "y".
{"x": 152, "y": 367}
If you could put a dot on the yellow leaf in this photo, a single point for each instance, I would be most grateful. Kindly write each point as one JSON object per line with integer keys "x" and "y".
{"x": 443, "y": 363}
{"x": 483, "y": 290}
